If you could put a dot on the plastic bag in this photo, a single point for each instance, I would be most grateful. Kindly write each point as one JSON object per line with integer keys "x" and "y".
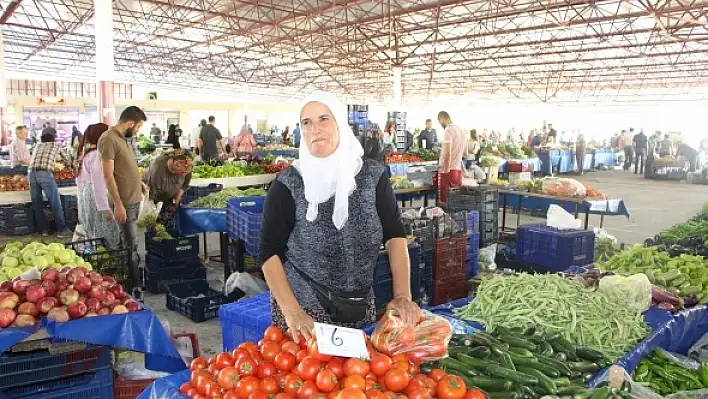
{"x": 79, "y": 233}
{"x": 147, "y": 211}
{"x": 563, "y": 187}
{"x": 486, "y": 258}
{"x": 250, "y": 285}
{"x": 636, "y": 289}
{"x": 426, "y": 341}
{"x": 560, "y": 218}
{"x": 640, "y": 391}
{"x": 699, "y": 350}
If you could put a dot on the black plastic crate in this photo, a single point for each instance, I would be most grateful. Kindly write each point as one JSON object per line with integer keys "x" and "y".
{"x": 116, "y": 263}
{"x": 155, "y": 262}
{"x": 156, "y": 280}
{"x": 38, "y": 367}
{"x": 17, "y": 219}
{"x": 179, "y": 247}
{"x": 196, "y": 300}
{"x": 13, "y": 170}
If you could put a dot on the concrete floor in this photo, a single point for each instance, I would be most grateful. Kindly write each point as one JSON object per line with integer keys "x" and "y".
{"x": 653, "y": 205}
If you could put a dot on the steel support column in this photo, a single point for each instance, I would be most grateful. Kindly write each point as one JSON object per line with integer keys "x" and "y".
{"x": 103, "y": 24}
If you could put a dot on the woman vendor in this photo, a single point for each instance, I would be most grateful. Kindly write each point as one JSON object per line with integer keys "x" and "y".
{"x": 169, "y": 175}
{"x": 324, "y": 221}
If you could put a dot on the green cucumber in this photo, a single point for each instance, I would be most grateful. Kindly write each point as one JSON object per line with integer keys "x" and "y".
{"x": 506, "y": 361}
{"x": 521, "y": 351}
{"x": 561, "y": 382}
{"x": 677, "y": 281}
{"x": 517, "y": 342}
{"x": 668, "y": 276}
{"x": 560, "y": 356}
{"x": 497, "y": 370}
{"x": 562, "y": 368}
{"x": 491, "y": 384}
{"x": 481, "y": 352}
{"x": 692, "y": 290}
{"x": 601, "y": 393}
{"x": 571, "y": 390}
{"x": 450, "y": 365}
{"x": 543, "y": 380}
{"x": 584, "y": 366}
{"x": 586, "y": 353}
{"x": 458, "y": 349}
{"x": 502, "y": 395}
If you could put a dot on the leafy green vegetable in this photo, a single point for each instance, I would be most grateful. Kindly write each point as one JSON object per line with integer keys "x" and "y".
{"x": 219, "y": 199}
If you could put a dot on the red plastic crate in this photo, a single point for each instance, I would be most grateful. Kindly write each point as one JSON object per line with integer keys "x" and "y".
{"x": 449, "y": 258}
{"x": 124, "y": 389}
{"x": 448, "y": 290}
{"x": 513, "y": 166}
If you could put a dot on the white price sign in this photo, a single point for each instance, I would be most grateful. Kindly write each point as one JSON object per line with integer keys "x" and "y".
{"x": 340, "y": 341}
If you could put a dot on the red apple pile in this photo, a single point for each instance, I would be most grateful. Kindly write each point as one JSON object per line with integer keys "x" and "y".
{"x": 62, "y": 295}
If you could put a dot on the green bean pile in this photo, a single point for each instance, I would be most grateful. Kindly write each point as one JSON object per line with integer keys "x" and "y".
{"x": 553, "y": 304}
{"x": 219, "y": 199}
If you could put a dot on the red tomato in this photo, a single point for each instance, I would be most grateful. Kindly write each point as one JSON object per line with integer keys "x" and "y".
{"x": 239, "y": 353}
{"x": 231, "y": 395}
{"x": 354, "y": 381}
{"x": 266, "y": 369}
{"x": 290, "y": 346}
{"x": 400, "y": 358}
{"x": 280, "y": 379}
{"x": 269, "y": 350}
{"x": 436, "y": 374}
{"x": 351, "y": 393}
{"x": 198, "y": 363}
{"x": 283, "y": 396}
{"x": 451, "y": 387}
{"x": 198, "y": 377}
{"x": 400, "y": 366}
{"x": 428, "y": 383}
{"x": 396, "y": 380}
{"x": 372, "y": 393}
{"x": 292, "y": 384}
{"x": 333, "y": 394}
{"x": 414, "y": 384}
{"x": 224, "y": 360}
{"x": 307, "y": 390}
{"x": 380, "y": 364}
{"x": 258, "y": 395}
{"x": 475, "y": 394}
{"x": 246, "y": 386}
{"x": 420, "y": 393}
{"x": 184, "y": 388}
{"x": 273, "y": 333}
{"x": 246, "y": 367}
{"x": 356, "y": 367}
{"x": 228, "y": 377}
{"x": 213, "y": 369}
{"x": 406, "y": 336}
{"x": 301, "y": 355}
{"x": 308, "y": 369}
{"x": 285, "y": 361}
{"x": 314, "y": 352}
{"x": 336, "y": 364}
{"x": 320, "y": 395}
{"x": 249, "y": 346}
{"x": 326, "y": 380}
{"x": 270, "y": 386}
{"x": 209, "y": 387}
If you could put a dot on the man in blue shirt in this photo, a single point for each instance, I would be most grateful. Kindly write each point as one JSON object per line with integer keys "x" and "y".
{"x": 296, "y": 135}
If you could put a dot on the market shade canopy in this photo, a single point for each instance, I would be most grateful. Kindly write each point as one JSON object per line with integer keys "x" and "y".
{"x": 549, "y": 50}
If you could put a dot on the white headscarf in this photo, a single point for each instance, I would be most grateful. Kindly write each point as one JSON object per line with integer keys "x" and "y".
{"x": 333, "y": 175}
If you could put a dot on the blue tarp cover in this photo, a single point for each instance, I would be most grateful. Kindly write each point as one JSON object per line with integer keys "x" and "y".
{"x": 189, "y": 221}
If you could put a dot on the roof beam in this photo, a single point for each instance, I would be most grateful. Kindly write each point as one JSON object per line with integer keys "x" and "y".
{"x": 9, "y": 10}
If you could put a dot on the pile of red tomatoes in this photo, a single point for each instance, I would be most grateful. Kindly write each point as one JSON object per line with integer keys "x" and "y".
{"x": 278, "y": 368}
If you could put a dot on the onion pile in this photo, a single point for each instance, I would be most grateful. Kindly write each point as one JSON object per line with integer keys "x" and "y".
{"x": 14, "y": 183}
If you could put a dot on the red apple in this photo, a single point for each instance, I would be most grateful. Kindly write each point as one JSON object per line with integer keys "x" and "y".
{"x": 28, "y": 308}
{"x": 8, "y": 300}
{"x": 108, "y": 299}
{"x": 97, "y": 292}
{"x": 82, "y": 284}
{"x": 58, "y": 314}
{"x": 84, "y": 271}
{"x": 64, "y": 270}
{"x": 6, "y": 286}
{"x": 132, "y": 306}
{"x": 82, "y": 298}
{"x": 95, "y": 278}
{"x": 62, "y": 285}
{"x": 69, "y": 296}
{"x": 77, "y": 310}
{"x": 50, "y": 273}
{"x": 20, "y": 286}
{"x": 7, "y": 317}
{"x": 46, "y": 304}
{"x": 119, "y": 309}
{"x": 35, "y": 282}
{"x": 91, "y": 313}
{"x": 49, "y": 287}
{"x": 93, "y": 304}
{"x": 118, "y": 291}
{"x": 34, "y": 294}
{"x": 103, "y": 311}
{"x": 73, "y": 274}
{"x": 25, "y": 320}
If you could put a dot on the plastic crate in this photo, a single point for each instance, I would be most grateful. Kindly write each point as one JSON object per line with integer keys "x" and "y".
{"x": 383, "y": 268}
{"x": 472, "y": 222}
{"x": 39, "y": 367}
{"x": 245, "y": 320}
{"x": 249, "y": 220}
{"x": 47, "y": 387}
{"x": 179, "y": 247}
{"x": 156, "y": 280}
{"x": 129, "y": 389}
{"x": 426, "y": 272}
{"x": 98, "y": 388}
{"x": 238, "y": 210}
{"x": 66, "y": 182}
{"x": 449, "y": 257}
{"x": 448, "y": 290}
{"x": 472, "y": 265}
{"x": 252, "y": 249}
{"x": 17, "y": 220}
{"x": 552, "y": 249}
{"x": 116, "y": 263}
{"x": 195, "y": 299}
{"x": 472, "y": 243}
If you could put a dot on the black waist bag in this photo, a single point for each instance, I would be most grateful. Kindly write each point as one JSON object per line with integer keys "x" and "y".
{"x": 342, "y": 307}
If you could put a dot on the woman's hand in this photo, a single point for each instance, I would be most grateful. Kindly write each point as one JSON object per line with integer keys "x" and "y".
{"x": 298, "y": 323}
{"x": 407, "y": 310}
{"x": 109, "y": 215}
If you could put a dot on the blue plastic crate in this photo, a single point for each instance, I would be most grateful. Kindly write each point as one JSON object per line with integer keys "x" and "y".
{"x": 98, "y": 388}
{"x": 552, "y": 249}
{"x": 383, "y": 268}
{"x": 38, "y": 367}
{"x": 245, "y": 320}
{"x": 45, "y": 388}
{"x": 251, "y": 249}
{"x": 473, "y": 242}
{"x": 472, "y": 222}
{"x": 472, "y": 265}
{"x": 245, "y": 212}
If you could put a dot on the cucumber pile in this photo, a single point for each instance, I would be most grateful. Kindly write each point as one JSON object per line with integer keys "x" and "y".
{"x": 513, "y": 364}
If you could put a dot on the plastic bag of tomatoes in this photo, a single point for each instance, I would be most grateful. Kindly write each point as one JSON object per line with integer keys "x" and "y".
{"x": 426, "y": 341}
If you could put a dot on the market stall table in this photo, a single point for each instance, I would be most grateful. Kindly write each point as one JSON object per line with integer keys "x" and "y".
{"x": 533, "y": 164}
{"x": 409, "y": 193}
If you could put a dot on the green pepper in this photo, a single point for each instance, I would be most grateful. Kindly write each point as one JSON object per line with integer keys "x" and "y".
{"x": 641, "y": 373}
{"x": 703, "y": 372}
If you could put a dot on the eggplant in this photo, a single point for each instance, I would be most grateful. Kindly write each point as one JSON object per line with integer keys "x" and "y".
{"x": 690, "y": 300}
{"x": 661, "y": 296}
{"x": 649, "y": 242}
{"x": 667, "y": 306}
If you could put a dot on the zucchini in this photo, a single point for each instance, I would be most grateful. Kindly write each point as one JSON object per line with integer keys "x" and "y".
{"x": 502, "y": 395}
{"x": 560, "y": 356}
{"x": 543, "y": 381}
{"x": 548, "y": 370}
{"x": 523, "y": 361}
{"x": 586, "y": 353}
{"x": 561, "y": 382}
{"x": 571, "y": 390}
{"x": 498, "y": 370}
{"x": 480, "y": 352}
{"x": 487, "y": 337}
{"x": 517, "y": 342}
{"x": 506, "y": 361}
{"x": 562, "y": 368}
{"x": 455, "y": 366}
{"x": 458, "y": 349}
{"x": 491, "y": 384}
{"x": 547, "y": 349}
{"x": 668, "y": 276}
{"x": 521, "y": 351}
{"x": 584, "y": 366}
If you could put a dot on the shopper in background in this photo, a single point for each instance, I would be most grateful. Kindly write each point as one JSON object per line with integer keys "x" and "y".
{"x": 286, "y": 132}
{"x": 428, "y": 137}
{"x": 688, "y": 152}
{"x": 640, "y": 143}
{"x": 167, "y": 179}
{"x": 172, "y": 136}
{"x": 666, "y": 147}
{"x": 76, "y": 137}
{"x": 373, "y": 144}
{"x": 120, "y": 172}
{"x": 48, "y": 129}
{"x": 628, "y": 140}
{"x": 454, "y": 145}
{"x": 41, "y": 179}
{"x": 389, "y": 138}
{"x": 580, "y": 145}
{"x": 194, "y": 137}
{"x": 95, "y": 215}
{"x": 19, "y": 154}
{"x": 324, "y": 220}
{"x": 552, "y": 136}
{"x": 210, "y": 141}
{"x": 244, "y": 143}
{"x": 473, "y": 149}
{"x": 296, "y": 135}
